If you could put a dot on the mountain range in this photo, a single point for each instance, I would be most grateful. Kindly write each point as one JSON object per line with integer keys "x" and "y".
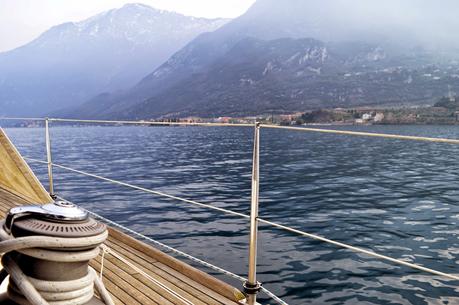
{"x": 295, "y": 55}
{"x": 72, "y": 62}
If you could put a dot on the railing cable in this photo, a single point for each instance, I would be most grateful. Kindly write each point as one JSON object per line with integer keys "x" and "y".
{"x": 360, "y": 250}
{"x": 21, "y": 119}
{"x": 112, "y": 122}
{"x": 364, "y": 134}
{"x": 142, "y": 189}
{"x": 152, "y": 123}
{"x": 273, "y": 224}
{"x": 295, "y": 128}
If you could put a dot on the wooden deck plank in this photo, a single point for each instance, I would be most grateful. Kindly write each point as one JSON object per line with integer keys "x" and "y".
{"x": 173, "y": 283}
{"x": 183, "y": 283}
{"x": 130, "y": 284}
{"x": 16, "y": 176}
{"x": 205, "y": 279}
{"x": 152, "y": 289}
{"x": 154, "y": 276}
{"x": 8, "y": 201}
{"x": 117, "y": 288}
{"x": 215, "y": 296}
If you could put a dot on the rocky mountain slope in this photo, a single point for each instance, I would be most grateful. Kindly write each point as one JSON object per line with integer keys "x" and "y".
{"x": 295, "y": 55}
{"x": 288, "y": 75}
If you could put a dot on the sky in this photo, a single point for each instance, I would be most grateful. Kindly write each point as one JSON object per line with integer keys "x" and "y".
{"x": 23, "y": 20}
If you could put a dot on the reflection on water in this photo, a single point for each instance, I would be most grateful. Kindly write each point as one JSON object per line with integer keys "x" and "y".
{"x": 395, "y": 197}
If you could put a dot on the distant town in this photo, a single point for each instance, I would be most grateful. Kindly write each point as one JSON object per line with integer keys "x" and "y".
{"x": 444, "y": 112}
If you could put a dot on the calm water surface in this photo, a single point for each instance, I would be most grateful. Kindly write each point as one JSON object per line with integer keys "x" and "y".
{"x": 395, "y": 197}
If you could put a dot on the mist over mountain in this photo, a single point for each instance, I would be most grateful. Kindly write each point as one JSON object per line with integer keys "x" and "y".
{"x": 411, "y": 23}
{"x": 74, "y": 61}
{"x": 372, "y": 53}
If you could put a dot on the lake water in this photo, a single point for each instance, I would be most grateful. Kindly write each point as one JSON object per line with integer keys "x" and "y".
{"x": 399, "y": 198}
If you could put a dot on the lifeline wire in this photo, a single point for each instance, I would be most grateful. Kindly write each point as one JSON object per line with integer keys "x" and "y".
{"x": 142, "y": 189}
{"x": 363, "y": 134}
{"x": 273, "y": 224}
{"x": 111, "y": 122}
{"x": 304, "y": 129}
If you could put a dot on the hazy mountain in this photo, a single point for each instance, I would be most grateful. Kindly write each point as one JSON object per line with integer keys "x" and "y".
{"x": 287, "y": 75}
{"x": 111, "y": 51}
{"x": 222, "y": 73}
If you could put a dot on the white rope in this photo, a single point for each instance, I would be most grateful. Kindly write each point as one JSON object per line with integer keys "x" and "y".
{"x": 112, "y": 252}
{"x": 102, "y": 259}
{"x": 24, "y": 289}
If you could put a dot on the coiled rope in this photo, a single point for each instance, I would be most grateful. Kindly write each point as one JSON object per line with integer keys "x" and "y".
{"x": 25, "y": 289}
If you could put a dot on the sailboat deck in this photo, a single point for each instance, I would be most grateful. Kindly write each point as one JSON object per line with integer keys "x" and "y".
{"x": 133, "y": 272}
{"x": 129, "y": 285}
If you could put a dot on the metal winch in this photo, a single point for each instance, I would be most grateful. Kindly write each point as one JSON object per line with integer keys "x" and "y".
{"x": 52, "y": 247}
